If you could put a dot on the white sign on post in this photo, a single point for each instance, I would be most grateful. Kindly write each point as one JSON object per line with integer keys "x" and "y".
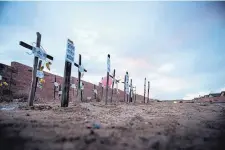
{"x": 38, "y": 52}
{"x": 108, "y": 64}
{"x": 40, "y": 74}
{"x": 70, "y": 51}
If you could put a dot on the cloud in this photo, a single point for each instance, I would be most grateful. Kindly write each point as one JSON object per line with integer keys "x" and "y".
{"x": 166, "y": 68}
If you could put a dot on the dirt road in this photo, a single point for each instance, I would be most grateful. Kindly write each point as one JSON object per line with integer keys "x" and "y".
{"x": 156, "y": 126}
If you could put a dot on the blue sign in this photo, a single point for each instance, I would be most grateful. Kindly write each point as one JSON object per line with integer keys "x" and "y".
{"x": 70, "y": 52}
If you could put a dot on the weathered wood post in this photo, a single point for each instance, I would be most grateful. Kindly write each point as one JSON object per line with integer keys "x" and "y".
{"x": 102, "y": 90}
{"x": 114, "y": 73}
{"x": 34, "y": 72}
{"x": 107, "y": 82}
{"x": 95, "y": 95}
{"x": 148, "y": 91}
{"x": 70, "y": 52}
{"x": 124, "y": 88}
{"x": 135, "y": 93}
{"x": 80, "y": 69}
{"x": 131, "y": 90}
{"x": 144, "y": 89}
{"x": 54, "y": 88}
{"x": 37, "y": 79}
{"x": 38, "y": 53}
{"x": 127, "y": 86}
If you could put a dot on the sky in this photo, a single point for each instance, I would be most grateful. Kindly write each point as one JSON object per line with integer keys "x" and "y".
{"x": 178, "y": 46}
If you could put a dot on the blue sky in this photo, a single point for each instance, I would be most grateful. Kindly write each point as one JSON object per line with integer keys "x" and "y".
{"x": 177, "y": 46}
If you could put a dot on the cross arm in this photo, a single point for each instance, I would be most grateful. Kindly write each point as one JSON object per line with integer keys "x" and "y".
{"x": 78, "y": 66}
{"x": 31, "y": 47}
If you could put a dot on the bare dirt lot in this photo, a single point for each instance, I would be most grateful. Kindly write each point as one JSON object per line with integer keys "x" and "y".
{"x": 93, "y": 126}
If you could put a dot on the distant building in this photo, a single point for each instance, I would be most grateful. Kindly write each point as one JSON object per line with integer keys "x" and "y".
{"x": 222, "y": 94}
{"x": 214, "y": 95}
{"x": 206, "y": 96}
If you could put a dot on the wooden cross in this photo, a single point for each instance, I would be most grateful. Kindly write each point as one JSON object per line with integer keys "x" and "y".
{"x": 95, "y": 95}
{"x": 144, "y": 89}
{"x": 102, "y": 90}
{"x": 135, "y": 94}
{"x": 79, "y": 91}
{"x": 35, "y": 63}
{"x": 124, "y": 82}
{"x": 113, "y": 77}
{"x": 107, "y": 82}
{"x": 116, "y": 81}
{"x": 131, "y": 90}
{"x": 148, "y": 91}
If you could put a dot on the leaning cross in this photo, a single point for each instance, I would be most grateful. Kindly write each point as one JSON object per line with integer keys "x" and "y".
{"x": 38, "y": 54}
{"x": 79, "y": 77}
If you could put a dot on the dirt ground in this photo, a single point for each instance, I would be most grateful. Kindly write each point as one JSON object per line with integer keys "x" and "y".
{"x": 94, "y": 126}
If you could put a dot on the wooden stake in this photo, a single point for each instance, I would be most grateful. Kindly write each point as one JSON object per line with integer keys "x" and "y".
{"x": 66, "y": 85}
{"x": 94, "y": 92}
{"x": 107, "y": 82}
{"x": 102, "y": 90}
{"x": 124, "y": 88}
{"x": 73, "y": 82}
{"x": 66, "y": 82}
{"x": 131, "y": 90}
{"x": 148, "y": 91}
{"x": 114, "y": 73}
{"x": 39, "y": 66}
{"x": 144, "y": 89}
{"x": 135, "y": 94}
{"x": 54, "y": 88}
{"x": 128, "y": 86}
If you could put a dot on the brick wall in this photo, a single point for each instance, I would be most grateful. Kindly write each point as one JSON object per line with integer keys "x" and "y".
{"x": 23, "y": 82}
